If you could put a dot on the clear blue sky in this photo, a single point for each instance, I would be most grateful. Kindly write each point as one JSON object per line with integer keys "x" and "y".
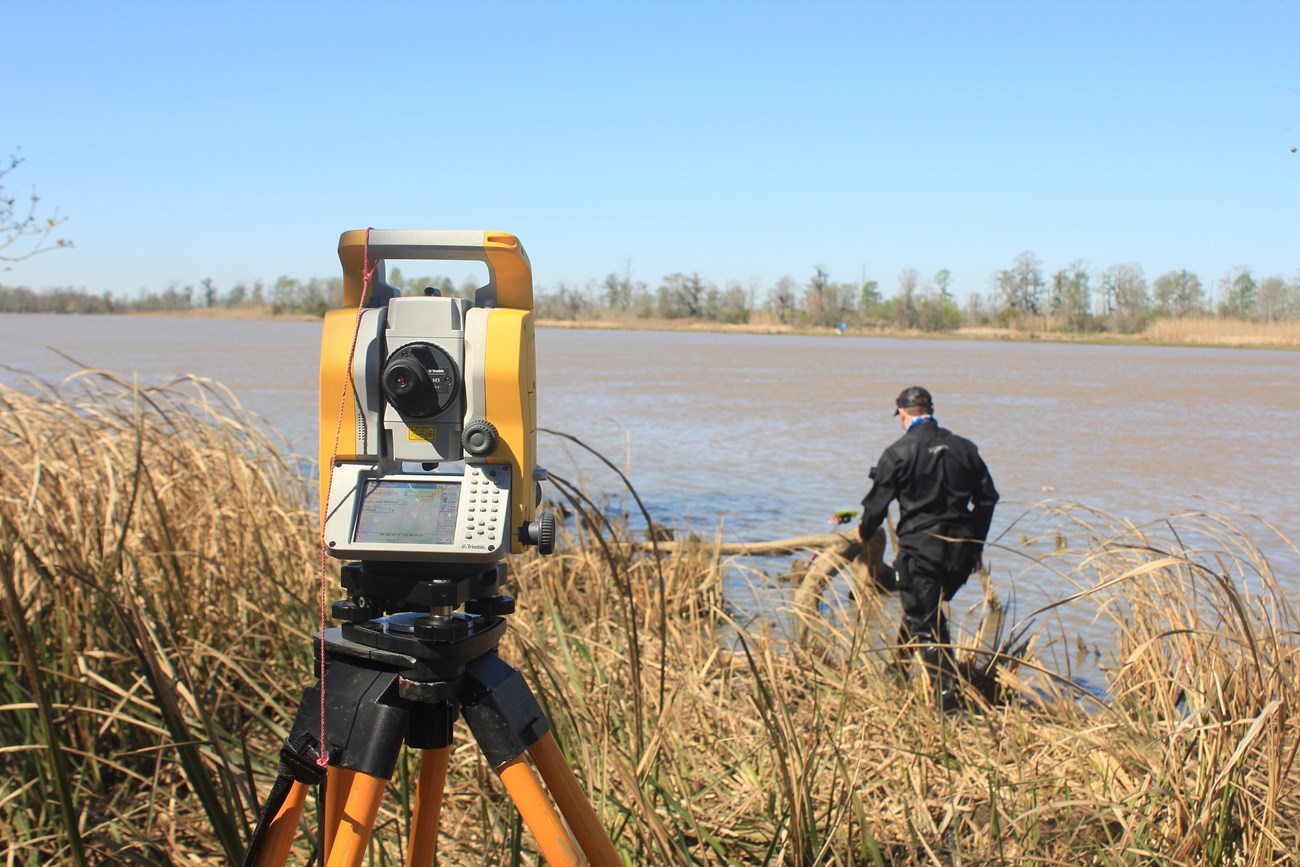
{"x": 236, "y": 140}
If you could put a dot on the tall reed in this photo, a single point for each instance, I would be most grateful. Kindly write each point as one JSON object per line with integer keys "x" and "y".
{"x": 155, "y": 561}
{"x": 158, "y": 568}
{"x": 1217, "y": 331}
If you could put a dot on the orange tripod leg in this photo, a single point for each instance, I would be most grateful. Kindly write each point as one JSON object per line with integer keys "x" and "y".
{"x": 356, "y": 821}
{"x": 541, "y": 818}
{"x": 573, "y": 804}
{"x": 274, "y": 851}
{"x": 338, "y": 784}
{"x": 428, "y": 807}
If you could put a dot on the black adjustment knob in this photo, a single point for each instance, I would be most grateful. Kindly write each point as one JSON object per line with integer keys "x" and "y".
{"x": 540, "y": 533}
{"x": 492, "y": 606}
{"x": 480, "y": 438}
{"x": 443, "y": 629}
{"x": 545, "y": 533}
{"x": 356, "y": 610}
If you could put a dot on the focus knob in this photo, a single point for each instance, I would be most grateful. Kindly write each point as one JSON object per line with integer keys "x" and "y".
{"x": 540, "y": 533}
{"x": 480, "y": 438}
{"x": 546, "y": 533}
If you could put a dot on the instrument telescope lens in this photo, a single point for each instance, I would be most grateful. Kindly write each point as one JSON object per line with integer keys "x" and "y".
{"x": 420, "y": 380}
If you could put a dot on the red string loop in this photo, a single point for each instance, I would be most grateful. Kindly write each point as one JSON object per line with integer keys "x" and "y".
{"x": 323, "y": 758}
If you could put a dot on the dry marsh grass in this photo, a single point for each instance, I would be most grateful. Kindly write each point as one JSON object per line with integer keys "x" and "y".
{"x": 1164, "y": 331}
{"x": 158, "y": 568}
{"x": 1216, "y": 331}
{"x": 153, "y": 551}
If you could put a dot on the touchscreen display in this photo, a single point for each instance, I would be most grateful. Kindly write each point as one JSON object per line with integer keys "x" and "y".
{"x": 395, "y": 512}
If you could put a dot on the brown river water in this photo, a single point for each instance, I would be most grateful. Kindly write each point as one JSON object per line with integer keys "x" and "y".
{"x": 765, "y": 436}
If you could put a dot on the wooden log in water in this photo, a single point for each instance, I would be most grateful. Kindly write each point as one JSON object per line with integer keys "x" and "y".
{"x": 868, "y": 559}
{"x": 834, "y": 551}
{"x": 819, "y": 542}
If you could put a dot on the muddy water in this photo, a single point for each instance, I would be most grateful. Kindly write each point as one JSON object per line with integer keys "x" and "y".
{"x": 768, "y": 435}
{"x": 771, "y": 434}
{"x": 774, "y": 433}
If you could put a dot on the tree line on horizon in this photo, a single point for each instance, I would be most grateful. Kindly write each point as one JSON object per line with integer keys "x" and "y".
{"x": 1074, "y": 298}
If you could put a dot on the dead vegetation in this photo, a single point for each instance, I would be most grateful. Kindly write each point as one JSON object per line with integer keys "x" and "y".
{"x": 158, "y": 569}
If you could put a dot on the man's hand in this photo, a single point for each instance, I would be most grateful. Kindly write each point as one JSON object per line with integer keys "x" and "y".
{"x": 860, "y": 539}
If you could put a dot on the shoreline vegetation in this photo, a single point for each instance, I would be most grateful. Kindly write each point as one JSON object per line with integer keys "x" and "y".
{"x": 1191, "y": 331}
{"x": 1207, "y": 331}
{"x": 160, "y": 594}
{"x": 1075, "y": 303}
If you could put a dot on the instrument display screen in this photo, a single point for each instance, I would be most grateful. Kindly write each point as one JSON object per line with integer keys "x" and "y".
{"x": 407, "y": 512}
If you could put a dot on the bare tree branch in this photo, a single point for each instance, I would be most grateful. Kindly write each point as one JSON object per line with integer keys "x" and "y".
{"x": 23, "y": 231}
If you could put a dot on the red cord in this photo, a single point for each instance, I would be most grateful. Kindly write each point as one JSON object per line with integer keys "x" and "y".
{"x": 323, "y": 758}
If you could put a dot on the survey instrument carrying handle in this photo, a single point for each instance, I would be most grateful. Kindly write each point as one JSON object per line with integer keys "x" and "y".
{"x": 510, "y": 274}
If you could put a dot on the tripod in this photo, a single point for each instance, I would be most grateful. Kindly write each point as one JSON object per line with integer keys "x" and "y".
{"x": 406, "y": 677}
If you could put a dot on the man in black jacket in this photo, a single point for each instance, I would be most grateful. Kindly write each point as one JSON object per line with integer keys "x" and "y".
{"x": 944, "y": 493}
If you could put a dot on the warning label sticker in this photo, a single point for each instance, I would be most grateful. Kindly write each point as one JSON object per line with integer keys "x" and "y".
{"x": 427, "y": 432}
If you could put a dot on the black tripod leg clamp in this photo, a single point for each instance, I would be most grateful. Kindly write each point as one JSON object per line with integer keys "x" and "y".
{"x": 300, "y": 759}
{"x": 365, "y": 723}
{"x": 365, "y": 719}
{"x": 501, "y": 710}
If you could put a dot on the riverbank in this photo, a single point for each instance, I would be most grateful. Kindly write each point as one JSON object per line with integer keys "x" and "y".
{"x": 247, "y": 312}
{"x": 158, "y": 630}
{"x": 1206, "y": 331}
{"x": 1201, "y": 331}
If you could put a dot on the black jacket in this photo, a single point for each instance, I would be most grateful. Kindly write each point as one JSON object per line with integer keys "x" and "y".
{"x": 943, "y": 488}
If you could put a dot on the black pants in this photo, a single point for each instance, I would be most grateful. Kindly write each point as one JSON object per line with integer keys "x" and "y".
{"x": 928, "y": 576}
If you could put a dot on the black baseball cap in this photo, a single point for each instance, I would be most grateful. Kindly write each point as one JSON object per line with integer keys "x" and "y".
{"x": 914, "y": 397}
